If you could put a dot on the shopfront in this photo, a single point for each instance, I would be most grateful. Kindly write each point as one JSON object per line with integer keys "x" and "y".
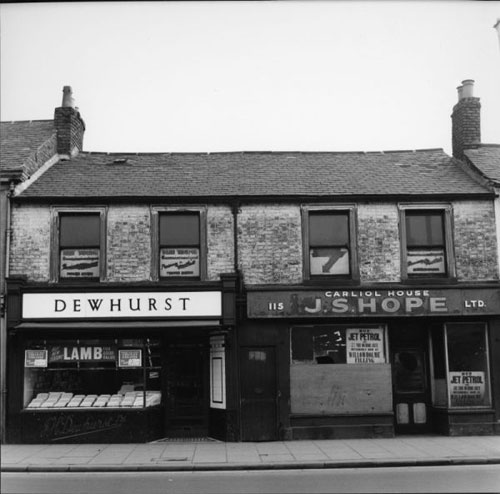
{"x": 117, "y": 366}
{"x": 383, "y": 361}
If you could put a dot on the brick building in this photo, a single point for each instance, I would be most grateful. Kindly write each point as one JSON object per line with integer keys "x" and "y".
{"x": 27, "y": 149}
{"x": 253, "y": 296}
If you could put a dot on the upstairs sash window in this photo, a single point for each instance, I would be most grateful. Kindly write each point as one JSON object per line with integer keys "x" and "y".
{"x": 329, "y": 244}
{"x": 425, "y": 243}
{"x": 79, "y": 246}
{"x": 179, "y": 245}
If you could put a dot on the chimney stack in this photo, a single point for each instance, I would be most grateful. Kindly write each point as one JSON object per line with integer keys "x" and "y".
{"x": 69, "y": 125}
{"x": 466, "y": 120}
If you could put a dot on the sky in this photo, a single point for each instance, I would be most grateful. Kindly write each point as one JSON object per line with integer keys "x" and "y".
{"x": 253, "y": 76}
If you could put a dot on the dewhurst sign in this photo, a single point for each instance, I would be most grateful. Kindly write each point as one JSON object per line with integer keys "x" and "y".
{"x": 376, "y": 302}
{"x": 121, "y": 305}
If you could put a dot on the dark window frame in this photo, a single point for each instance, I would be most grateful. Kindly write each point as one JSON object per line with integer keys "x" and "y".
{"x": 55, "y": 251}
{"x": 351, "y": 212}
{"x": 156, "y": 211}
{"x": 445, "y": 378}
{"x": 445, "y": 210}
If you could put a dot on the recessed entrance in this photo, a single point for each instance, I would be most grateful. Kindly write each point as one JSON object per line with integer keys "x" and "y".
{"x": 186, "y": 389}
{"x": 410, "y": 379}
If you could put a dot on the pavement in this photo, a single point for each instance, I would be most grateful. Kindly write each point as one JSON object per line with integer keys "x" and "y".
{"x": 209, "y": 455}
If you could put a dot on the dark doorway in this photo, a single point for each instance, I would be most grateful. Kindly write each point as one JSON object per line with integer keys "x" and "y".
{"x": 258, "y": 394}
{"x": 410, "y": 380}
{"x": 186, "y": 390}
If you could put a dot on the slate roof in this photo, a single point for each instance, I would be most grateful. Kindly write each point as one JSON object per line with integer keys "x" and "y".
{"x": 486, "y": 158}
{"x": 250, "y": 174}
{"x": 19, "y": 142}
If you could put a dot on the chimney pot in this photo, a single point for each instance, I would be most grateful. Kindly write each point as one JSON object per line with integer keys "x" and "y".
{"x": 467, "y": 88}
{"x": 460, "y": 92}
{"x": 68, "y": 100}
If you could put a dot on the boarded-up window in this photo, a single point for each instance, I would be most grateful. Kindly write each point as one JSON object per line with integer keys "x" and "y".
{"x": 338, "y": 345}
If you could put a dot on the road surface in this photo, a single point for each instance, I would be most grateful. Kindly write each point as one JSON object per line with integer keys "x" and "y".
{"x": 460, "y": 478}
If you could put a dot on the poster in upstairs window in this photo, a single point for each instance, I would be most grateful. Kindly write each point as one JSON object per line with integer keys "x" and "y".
{"x": 180, "y": 262}
{"x": 80, "y": 263}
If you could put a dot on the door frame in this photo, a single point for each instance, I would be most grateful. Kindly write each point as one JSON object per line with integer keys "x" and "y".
{"x": 413, "y": 396}
{"x": 277, "y": 393}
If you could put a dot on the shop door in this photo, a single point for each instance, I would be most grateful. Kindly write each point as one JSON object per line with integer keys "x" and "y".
{"x": 411, "y": 390}
{"x": 258, "y": 394}
{"x": 186, "y": 390}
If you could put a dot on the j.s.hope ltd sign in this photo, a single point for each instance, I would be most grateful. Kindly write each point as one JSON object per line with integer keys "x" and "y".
{"x": 376, "y": 302}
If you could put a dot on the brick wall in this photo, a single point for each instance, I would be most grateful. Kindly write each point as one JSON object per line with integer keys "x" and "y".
{"x": 270, "y": 244}
{"x": 379, "y": 249}
{"x": 475, "y": 241}
{"x": 128, "y": 243}
{"x": 220, "y": 242}
{"x": 269, "y": 240}
{"x": 30, "y": 242}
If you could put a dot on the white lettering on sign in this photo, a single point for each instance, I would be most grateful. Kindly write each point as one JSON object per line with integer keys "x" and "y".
{"x": 474, "y": 304}
{"x": 389, "y": 305}
{"x": 96, "y": 305}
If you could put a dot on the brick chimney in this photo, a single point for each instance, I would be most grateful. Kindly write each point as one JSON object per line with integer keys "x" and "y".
{"x": 69, "y": 125}
{"x": 466, "y": 120}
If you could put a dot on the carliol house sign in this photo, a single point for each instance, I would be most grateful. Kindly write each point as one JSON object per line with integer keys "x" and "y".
{"x": 375, "y": 302}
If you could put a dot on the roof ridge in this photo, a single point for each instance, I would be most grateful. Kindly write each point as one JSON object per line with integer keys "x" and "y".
{"x": 209, "y": 153}
{"x": 24, "y": 121}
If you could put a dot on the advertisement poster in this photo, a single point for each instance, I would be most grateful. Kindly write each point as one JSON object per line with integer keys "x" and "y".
{"x": 130, "y": 358}
{"x": 60, "y": 353}
{"x": 36, "y": 358}
{"x": 179, "y": 262}
{"x": 329, "y": 261}
{"x": 365, "y": 346}
{"x": 425, "y": 261}
{"x": 80, "y": 263}
{"x": 467, "y": 388}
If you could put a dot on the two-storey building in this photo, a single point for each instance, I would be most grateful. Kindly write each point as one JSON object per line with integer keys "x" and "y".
{"x": 253, "y": 296}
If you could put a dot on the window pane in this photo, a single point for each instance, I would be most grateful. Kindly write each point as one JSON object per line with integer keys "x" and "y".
{"x": 79, "y": 230}
{"x": 99, "y": 373}
{"x": 329, "y": 261}
{"x": 328, "y": 229}
{"x": 424, "y": 229}
{"x": 468, "y": 377}
{"x": 179, "y": 229}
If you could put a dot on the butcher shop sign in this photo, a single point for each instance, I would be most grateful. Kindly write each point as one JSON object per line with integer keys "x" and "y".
{"x": 93, "y": 305}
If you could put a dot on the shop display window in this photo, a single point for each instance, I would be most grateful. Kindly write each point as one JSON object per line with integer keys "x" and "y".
{"x": 338, "y": 345}
{"x": 461, "y": 376}
{"x": 92, "y": 374}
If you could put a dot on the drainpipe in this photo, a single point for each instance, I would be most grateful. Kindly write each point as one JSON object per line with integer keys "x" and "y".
{"x": 235, "y": 209}
{"x": 3, "y": 320}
